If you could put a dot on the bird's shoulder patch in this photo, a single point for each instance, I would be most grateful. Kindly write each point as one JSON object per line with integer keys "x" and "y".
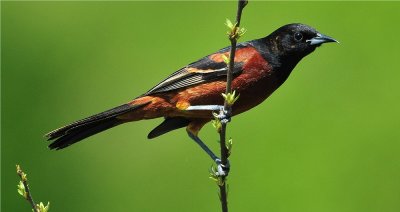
{"x": 241, "y": 55}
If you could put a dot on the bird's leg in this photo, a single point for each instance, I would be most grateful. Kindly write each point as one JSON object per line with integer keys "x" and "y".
{"x": 223, "y": 115}
{"x": 203, "y": 146}
{"x": 205, "y": 107}
{"x": 222, "y": 170}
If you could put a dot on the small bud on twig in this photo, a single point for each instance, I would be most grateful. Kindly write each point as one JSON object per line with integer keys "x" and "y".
{"x": 235, "y": 32}
{"x": 230, "y": 98}
{"x": 216, "y": 123}
{"x": 42, "y": 208}
{"x": 229, "y": 146}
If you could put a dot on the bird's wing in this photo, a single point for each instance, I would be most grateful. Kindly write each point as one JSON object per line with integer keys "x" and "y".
{"x": 207, "y": 69}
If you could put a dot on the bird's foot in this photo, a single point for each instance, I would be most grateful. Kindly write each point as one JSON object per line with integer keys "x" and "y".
{"x": 222, "y": 170}
{"x": 224, "y": 115}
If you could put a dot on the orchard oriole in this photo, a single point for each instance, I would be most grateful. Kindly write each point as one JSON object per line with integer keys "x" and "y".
{"x": 186, "y": 97}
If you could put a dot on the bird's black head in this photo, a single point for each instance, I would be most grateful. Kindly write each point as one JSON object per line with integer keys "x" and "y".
{"x": 296, "y": 40}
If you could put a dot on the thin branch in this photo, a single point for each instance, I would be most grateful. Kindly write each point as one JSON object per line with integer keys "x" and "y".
{"x": 23, "y": 189}
{"x": 25, "y": 192}
{"x": 233, "y": 37}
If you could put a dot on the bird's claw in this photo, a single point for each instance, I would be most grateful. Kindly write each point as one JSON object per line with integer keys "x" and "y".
{"x": 224, "y": 115}
{"x": 222, "y": 170}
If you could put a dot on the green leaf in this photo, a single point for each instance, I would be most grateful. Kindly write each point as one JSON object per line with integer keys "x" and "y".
{"x": 229, "y": 24}
{"x": 229, "y": 145}
{"x": 240, "y": 32}
{"x": 43, "y": 208}
{"x": 230, "y": 98}
{"x": 21, "y": 189}
{"x": 216, "y": 124}
{"x": 226, "y": 59}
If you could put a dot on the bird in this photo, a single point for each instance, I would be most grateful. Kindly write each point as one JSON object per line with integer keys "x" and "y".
{"x": 187, "y": 97}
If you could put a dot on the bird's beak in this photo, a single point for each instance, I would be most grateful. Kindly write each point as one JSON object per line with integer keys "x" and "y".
{"x": 320, "y": 38}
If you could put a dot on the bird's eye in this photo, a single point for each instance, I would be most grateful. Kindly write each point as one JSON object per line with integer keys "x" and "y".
{"x": 298, "y": 36}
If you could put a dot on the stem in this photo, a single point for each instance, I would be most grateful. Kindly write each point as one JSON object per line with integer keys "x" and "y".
{"x": 224, "y": 159}
{"x": 22, "y": 175}
{"x": 227, "y": 107}
{"x": 29, "y": 196}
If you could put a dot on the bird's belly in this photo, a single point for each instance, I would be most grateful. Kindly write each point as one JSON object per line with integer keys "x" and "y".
{"x": 253, "y": 93}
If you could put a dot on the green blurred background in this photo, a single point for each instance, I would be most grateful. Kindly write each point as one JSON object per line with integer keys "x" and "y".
{"x": 327, "y": 140}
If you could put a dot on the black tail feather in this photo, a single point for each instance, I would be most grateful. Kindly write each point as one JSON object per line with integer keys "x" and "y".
{"x": 76, "y": 131}
{"x": 169, "y": 124}
{"x": 81, "y": 132}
